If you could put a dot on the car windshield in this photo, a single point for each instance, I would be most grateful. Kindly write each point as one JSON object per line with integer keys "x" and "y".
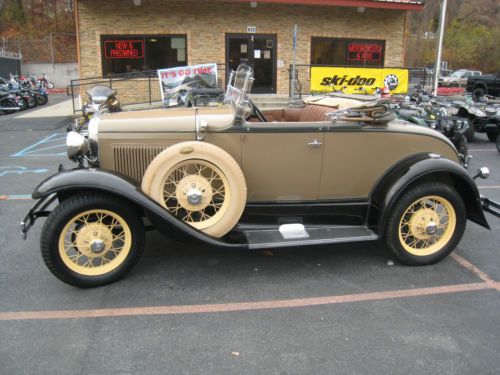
{"x": 238, "y": 87}
{"x": 458, "y": 74}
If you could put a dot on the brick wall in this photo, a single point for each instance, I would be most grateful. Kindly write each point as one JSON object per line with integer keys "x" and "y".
{"x": 206, "y": 23}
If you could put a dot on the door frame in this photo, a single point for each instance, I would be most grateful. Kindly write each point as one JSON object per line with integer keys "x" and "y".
{"x": 274, "y": 56}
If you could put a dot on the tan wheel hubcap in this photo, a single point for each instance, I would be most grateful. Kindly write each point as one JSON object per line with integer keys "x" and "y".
{"x": 196, "y": 192}
{"x": 427, "y": 225}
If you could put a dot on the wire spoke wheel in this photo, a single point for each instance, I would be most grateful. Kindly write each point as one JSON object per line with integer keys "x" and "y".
{"x": 427, "y": 225}
{"x": 196, "y": 192}
{"x": 95, "y": 242}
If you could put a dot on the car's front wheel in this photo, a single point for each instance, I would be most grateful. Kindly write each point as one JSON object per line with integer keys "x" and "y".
{"x": 426, "y": 224}
{"x": 92, "y": 239}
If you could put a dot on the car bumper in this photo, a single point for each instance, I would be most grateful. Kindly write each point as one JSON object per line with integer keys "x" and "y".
{"x": 490, "y": 206}
{"x": 39, "y": 209}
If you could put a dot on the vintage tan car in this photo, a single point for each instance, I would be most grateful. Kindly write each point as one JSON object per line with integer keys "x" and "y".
{"x": 236, "y": 177}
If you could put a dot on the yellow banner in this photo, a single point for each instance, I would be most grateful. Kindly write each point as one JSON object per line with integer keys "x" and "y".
{"x": 358, "y": 80}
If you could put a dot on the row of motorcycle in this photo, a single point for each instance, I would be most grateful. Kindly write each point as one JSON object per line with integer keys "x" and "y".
{"x": 459, "y": 120}
{"x": 22, "y": 92}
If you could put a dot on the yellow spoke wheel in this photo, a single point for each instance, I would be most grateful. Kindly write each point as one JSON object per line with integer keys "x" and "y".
{"x": 427, "y": 225}
{"x": 95, "y": 242}
{"x": 92, "y": 239}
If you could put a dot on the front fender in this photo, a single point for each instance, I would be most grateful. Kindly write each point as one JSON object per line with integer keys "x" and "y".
{"x": 423, "y": 168}
{"x": 76, "y": 181}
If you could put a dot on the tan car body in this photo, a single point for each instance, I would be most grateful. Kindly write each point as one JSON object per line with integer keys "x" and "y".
{"x": 282, "y": 161}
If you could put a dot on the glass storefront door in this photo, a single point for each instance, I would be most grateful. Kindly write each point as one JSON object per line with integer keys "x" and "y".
{"x": 258, "y": 51}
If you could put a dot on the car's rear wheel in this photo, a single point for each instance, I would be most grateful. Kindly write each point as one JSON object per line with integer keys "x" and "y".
{"x": 200, "y": 184}
{"x": 92, "y": 239}
{"x": 426, "y": 224}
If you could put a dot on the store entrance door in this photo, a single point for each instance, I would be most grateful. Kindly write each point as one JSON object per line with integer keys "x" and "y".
{"x": 258, "y": 51}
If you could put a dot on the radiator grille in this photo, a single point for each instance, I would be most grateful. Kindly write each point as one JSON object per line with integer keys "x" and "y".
{"x": 133, "y": 160}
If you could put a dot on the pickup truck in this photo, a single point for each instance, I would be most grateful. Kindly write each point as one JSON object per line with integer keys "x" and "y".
{"x": 488, "y": 84}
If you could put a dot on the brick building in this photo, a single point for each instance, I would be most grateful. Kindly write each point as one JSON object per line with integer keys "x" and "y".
{"x": 116, "y": 36}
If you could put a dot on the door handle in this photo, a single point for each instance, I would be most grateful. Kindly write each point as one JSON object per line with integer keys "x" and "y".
{"x": 315, "y": 143}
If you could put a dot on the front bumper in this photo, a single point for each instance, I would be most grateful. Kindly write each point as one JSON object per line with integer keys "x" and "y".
{"x": 38, "y": 210}
{"x": 490, "y": 206}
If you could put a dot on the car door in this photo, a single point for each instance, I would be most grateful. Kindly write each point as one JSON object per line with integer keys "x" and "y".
{"x": 282, "y": 161}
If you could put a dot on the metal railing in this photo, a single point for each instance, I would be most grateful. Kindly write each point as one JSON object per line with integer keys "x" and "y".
{"x": 132, "y": 88}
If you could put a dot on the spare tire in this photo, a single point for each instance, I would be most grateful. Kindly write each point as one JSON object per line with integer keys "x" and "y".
{"x": 200, "y": 184}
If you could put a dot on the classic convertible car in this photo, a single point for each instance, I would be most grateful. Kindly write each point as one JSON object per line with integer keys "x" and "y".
{"x": 237, "y": 177}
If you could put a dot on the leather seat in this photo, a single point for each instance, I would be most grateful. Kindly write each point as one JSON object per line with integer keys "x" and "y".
{"x": 309, "y": 113}
{"x": 312, "y": 113}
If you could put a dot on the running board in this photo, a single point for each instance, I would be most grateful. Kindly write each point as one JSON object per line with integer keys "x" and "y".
{"x": 300, "y": 235}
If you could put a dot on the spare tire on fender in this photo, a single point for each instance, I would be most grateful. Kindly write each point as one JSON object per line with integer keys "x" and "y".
{"x": 200, "y": 184}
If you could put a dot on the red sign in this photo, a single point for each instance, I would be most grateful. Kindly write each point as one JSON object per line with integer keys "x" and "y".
{"x": 364, "y": 52}
{"x": 124, "y": 49}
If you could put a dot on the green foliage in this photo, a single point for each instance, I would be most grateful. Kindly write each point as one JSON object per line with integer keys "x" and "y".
{"x": 472, "y": 46}
{"x": 12, "y": 15}
{"x": 471, "y": 35}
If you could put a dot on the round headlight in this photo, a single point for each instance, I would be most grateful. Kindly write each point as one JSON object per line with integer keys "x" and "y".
{"x": 459, "y": 124}
{"x": 433, "y": 124}
{"x": 76, "y": 145}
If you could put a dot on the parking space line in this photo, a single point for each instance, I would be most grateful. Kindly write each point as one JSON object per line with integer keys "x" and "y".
{"x": 33, "y": 150}
{"x": 15, "y": 197}
{"x": 489, "y": 187}
{"x": 472, "y": 268}
{"x": 241, "y": 306}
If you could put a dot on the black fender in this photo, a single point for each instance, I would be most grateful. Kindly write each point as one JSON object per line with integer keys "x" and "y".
{"x": 75, "y": 181}
{"x": 422, "y": 168}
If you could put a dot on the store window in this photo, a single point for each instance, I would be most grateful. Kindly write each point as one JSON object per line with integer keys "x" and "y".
{"x": 347, "y": 52}
{"x": 136, "y": 53}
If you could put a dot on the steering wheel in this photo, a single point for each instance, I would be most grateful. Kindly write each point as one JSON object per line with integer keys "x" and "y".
{"x": 255, "y": 112}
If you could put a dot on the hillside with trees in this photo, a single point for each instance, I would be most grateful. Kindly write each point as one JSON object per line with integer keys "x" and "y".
{"x": 471, "y": 39}
{"x": 26, "y": 26}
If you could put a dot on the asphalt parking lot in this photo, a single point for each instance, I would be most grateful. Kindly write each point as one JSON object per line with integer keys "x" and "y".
{"x": 349, "y": 309}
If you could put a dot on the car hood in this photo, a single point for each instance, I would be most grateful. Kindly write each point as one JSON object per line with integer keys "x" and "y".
{"x": 166, "y": 119}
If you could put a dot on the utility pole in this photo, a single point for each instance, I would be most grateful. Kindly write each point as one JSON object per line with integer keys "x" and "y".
{"x": 437, "y": 65}
{"x": 292, "y": 78}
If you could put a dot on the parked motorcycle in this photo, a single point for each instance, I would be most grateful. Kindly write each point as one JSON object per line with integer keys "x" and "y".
{"x": 101, "y": 98}
{"x": 453, "y": 127}
{"x": 45, "y": 82}
{"x": 484, "y": 117}
{"x": 9, "y": 103}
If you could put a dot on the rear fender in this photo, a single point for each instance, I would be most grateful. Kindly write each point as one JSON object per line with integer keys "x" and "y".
{"x": 418, "y": 169}
{"x": 76, "y": 181}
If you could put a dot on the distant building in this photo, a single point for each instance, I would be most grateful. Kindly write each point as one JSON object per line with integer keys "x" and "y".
{"x": 116, "y": 36}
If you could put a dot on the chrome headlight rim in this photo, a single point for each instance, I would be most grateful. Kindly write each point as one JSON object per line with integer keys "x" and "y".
{"x": 76, "y": 145}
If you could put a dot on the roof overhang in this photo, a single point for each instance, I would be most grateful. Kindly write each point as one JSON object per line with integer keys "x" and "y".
{"x": 380, "y": 4}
